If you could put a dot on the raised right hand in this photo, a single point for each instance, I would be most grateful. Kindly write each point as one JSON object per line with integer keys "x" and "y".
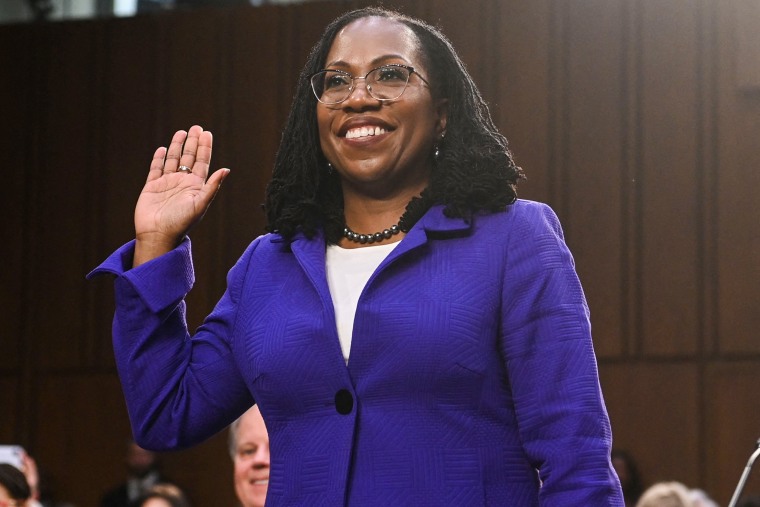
{"x": 172, "y": 201}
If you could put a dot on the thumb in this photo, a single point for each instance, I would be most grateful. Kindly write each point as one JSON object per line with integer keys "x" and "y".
{"x": 212, "y": 186}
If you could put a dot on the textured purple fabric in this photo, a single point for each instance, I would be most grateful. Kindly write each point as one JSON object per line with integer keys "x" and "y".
{"x": 471, "y": 380}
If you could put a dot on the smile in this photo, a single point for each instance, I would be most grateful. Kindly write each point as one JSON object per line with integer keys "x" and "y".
{"x": 364, "y": 132}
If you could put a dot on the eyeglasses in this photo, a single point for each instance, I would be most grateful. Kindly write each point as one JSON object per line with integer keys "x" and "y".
{"x": 383, "y": 83}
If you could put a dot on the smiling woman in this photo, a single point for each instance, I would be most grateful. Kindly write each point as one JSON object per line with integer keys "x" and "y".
{"x": 412, "y": 333}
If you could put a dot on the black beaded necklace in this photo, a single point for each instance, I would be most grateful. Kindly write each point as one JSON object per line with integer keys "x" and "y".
{"x": 371, "y": 238}
{"x": 414, "y": 211}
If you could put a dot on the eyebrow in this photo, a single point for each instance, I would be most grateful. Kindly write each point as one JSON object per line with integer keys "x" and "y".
{"x": 375, "y": 61}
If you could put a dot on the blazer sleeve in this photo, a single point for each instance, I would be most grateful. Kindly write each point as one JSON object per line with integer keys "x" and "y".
{"x": 179, "y": 389}
{"x": 552, "y": 371}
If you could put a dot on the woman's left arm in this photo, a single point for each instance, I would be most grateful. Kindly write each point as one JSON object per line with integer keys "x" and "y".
{"x": 550, "y": 361}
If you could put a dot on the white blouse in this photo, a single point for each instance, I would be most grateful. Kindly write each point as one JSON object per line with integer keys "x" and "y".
{"x": 348, "y": 270}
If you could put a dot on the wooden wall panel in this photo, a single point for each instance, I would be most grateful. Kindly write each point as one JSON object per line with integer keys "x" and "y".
{"x": 81, "y": 430}
{"x": 521, "y": 108}
{"x": 124, "y": 59}
{"x": 131, "y": 124}
{"x": 82, "y": 419}
{"x": 204, "y": 471}
{"x": 13, "y": 205}
{"x": 732, "y": 426}
{"x": 653, "y": 408}
{"x": 738, "y": 185}
{"x": 59, "y": 222}
{"x": 9, "y": 400}
{"x": 746, "y": 19}
{"x": 668, "y": 79}
{"x": 473, "y": 37}
{"x": 254, "y": 127}
{"x": 589, "y": 156}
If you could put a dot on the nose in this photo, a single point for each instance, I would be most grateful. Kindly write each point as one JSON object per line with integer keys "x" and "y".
{"x": 261, "y": 458}
{"x": 359, "y": 97}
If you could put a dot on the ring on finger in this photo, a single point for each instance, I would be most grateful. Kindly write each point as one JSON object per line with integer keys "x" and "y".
{"x": 184, "y": 169}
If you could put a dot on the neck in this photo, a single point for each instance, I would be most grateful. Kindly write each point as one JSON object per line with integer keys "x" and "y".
{"x": 365, "y": 213}
{"x": 370, "y": 222}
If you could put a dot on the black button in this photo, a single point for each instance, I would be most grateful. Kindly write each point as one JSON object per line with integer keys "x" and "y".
{"x": 344, "y": 402}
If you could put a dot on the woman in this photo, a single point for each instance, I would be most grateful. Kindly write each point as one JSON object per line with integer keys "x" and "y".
{"x": 14, "y": 490}
{"x": 445, "y": 361}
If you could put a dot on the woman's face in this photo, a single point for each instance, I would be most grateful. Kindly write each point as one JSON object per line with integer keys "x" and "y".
{"x": 397, "y": 158}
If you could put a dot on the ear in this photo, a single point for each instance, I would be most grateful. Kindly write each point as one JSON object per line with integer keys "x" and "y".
{"x": 442, "y": 113}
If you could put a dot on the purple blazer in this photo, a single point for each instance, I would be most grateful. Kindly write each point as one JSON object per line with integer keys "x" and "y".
{"x": 471, "y": 381}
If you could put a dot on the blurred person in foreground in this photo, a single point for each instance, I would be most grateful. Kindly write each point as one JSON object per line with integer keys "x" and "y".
{"x": 666, "y": 494}
{"x": 14, "y": 488}
{"x": 249, "y": 449}
{"x": 412, "y": 333}
{"x": 162, "y": 495}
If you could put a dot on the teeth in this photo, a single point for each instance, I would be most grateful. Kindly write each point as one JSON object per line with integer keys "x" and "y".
{"x": 262, "y": 481}
{"x": 364, "y": 132}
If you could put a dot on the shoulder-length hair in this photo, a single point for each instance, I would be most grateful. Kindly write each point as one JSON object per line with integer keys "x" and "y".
{"x": 474, "y": 170}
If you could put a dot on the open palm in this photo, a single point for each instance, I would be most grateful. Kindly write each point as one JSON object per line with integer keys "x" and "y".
{"x": 175, "y": 198}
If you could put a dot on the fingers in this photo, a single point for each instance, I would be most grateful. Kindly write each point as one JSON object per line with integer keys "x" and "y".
{"x": 174, "y": 153}
{"x": 157, "y": 164}
{"x": 203, "y": 154}
{"x": 190, "y": 148}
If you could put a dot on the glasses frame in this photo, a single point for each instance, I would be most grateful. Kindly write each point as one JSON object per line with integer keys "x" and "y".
{"x": 369, "y": 89}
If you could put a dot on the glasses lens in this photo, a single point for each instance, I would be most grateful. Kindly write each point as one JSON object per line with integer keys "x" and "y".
{"x": 331, "y": 86}
{"x": 388, "y": 82}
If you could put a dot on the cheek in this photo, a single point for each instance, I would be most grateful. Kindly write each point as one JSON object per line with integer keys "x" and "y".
{"x": 240, "y": 469}
{"x": 323, "y": 124}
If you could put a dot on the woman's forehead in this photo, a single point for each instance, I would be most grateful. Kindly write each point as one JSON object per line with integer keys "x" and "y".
{"x": 369, "y": 40}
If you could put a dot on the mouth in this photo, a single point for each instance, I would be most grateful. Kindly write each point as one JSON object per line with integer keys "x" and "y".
{"x": 364, "y": 127}
{"x": 369, "y": 131}
{"x": 260, "y": 482}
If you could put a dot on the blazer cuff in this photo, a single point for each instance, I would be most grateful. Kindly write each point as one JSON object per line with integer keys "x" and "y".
{"x": 160, "y": 282}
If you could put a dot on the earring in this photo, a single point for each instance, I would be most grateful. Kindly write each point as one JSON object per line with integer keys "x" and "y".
{"x": 437, "y": 147}
{"x": 329, "y": 168}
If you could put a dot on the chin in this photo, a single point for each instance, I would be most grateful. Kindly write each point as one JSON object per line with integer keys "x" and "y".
{"x": 255, "y": 499}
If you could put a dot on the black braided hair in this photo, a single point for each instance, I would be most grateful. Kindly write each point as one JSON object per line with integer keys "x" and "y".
{"x": 474, "y": 171}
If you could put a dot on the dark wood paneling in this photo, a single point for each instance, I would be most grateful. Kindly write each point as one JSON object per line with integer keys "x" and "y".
{"x": 738, "y": 185}
{"x": 669, "y": 135}
{"x": 589, "y": 156}
{"x": 205, "y": 472}
{"x": 520, "y": 60}
{"x": 81, "y": 430}
{"x": 9, "y": 400}
{"x": 17, "y": 96}
{"x": 733, "y": 426}
{"x": 60, "y": 190}
{"x": 746, "y": 19}
{"x": 652, "y": 408}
